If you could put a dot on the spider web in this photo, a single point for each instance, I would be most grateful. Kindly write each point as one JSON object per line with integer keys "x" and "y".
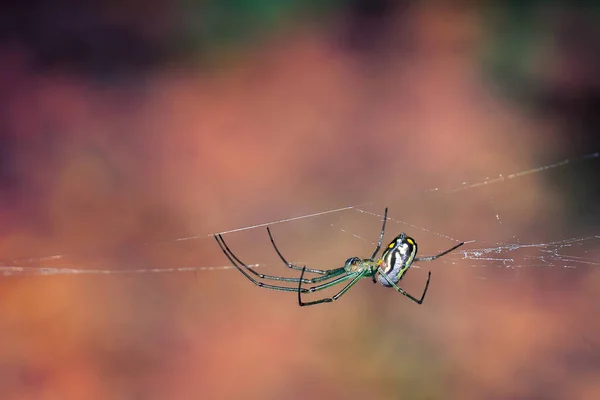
{"x": 570, "y": 252}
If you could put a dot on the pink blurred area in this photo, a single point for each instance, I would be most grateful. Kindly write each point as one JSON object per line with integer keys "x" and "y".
{"x": 110, "y": 175}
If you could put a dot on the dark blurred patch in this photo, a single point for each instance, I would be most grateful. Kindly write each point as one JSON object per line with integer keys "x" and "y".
{"x": 91, "y": 37}
{"x": 546, "y": 56}
{"x": 8, "y": 174}
{"x": 111, "y": 37}
{"x": 574, "y": 97}
{"x": 369, "y": 23}
{"x": 574, "y": 93}
{"x": 580, "y": 186}
{"x": 25, "y": 163}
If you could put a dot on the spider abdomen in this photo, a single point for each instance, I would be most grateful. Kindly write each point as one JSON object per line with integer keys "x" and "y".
{"x": 394, "y": 275}
{"x": 397, "y": 259}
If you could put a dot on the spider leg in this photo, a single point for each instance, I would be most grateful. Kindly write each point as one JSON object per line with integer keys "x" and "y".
{"x": 431, "y": 258}
{"x": 380, "y": 236}
{"x": 402, "y": 291}
{"x": 356, "y": 276}
{"x": 237, "y": 263}
{"x": 292, "y": 266}
{"x": 380, "y": 241}
{"x": 257, "y": 283}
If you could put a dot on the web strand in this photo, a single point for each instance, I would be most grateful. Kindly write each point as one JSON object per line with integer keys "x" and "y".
{"x": 498, "y": 253}
{"x": 9, "y": 270}
{"x": 501, "y": 178}
{"x": 54, "y": 257}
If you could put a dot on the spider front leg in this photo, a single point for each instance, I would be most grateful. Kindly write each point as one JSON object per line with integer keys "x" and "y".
{"x": 356, "y": 276}
{"x": 245, "y": 269}
{"x": 231, "y": 255}
{"x": 292, "y": 266}
{"x": 242, "y": 267}
{"x": 380, "y": 240}
{"x": 381, "y": 235}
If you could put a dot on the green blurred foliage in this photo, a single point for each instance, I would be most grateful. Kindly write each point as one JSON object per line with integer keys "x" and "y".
{"x": 516, "y": 33}
{"x": 544, "y": 56}
{"x": 213, "y": 26}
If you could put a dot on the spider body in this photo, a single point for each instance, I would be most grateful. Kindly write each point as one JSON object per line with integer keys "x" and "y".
{"x": 396, "y": 259}
{"x": 364, "y": 266}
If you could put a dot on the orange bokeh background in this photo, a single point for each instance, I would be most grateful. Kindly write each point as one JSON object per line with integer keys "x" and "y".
{"x": 110, "y": 174}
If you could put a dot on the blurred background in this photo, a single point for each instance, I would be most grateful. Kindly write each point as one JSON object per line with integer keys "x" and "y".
{"x": 126, "y": 125}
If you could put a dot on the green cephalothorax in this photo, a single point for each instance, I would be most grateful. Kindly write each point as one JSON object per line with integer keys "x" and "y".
{"x": 389, "y": 269}
{"x": 397, "y": 259}
{"x": 352, "y": 264}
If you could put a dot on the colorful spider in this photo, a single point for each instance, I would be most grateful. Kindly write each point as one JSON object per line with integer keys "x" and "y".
{"x": 388, "y": 270}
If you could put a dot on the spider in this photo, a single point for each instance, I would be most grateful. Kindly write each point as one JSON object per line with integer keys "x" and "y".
{"x": 395, "y": 260}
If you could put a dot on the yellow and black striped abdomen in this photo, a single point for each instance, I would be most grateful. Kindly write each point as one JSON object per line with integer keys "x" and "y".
{"x": 397, "y": 258}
